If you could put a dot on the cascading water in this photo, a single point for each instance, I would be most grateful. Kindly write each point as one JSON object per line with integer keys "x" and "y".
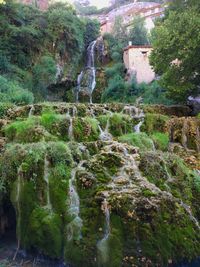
{"x": 74, "y": 227}
{"x": 184, "y": 134}
{"x": 136, "y": 113}
{"x": 102, "y": 245}
{"x": 18, "y": 207}
{"x": 70, "y": 129}
{"x": 198, "y": 139}
{"x": 46, "y": 178}
{"x": 90, "y": 71}
{"x": 105, "y": 135}
{"x": 31, "y": 111}
{"x": 138, "y": 126}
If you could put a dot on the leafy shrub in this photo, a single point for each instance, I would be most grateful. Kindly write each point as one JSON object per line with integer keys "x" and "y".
{"x": 4, "y": 107}
{"x": 140, "y": 140}
{"x": 161, "y": 140}
{"x": 44, "y": 73}
{"x": 13, "y": 93}
{"x": 115, "y": 90}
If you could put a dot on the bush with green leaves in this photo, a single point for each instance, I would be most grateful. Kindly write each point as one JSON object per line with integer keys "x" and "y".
{"x": 11, "y": 92}
{"x": 44, "y": 74}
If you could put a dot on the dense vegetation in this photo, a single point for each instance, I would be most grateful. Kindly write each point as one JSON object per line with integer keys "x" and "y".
{"x": 34, "y": 42}
{"x": 118, "y": 89}
{"x": 176, "y": 42}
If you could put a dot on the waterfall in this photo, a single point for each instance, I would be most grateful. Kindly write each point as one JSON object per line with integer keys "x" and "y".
{"x": 79, "y": 80}
{"x": 70, "y": 129}
{"x": 90, "y": 71}
{"x": 138, "y": 126}
{"x": 18, "y": 207}
{"x": 74, "y": 208}
{"x": 102, "y": 245}
{"x": 105, "y": 135}
{"x": 184, "y": 134}
{"x": 31, "y": 111}
{"x": 198, "y": 139}
{"x": 189, "y": 212}
{"x": 59, "y": 72}
{"x": 46, "y": 178}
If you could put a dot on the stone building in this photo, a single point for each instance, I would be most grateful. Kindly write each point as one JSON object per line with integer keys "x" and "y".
{"x": 136, "y": 60}
{"x": 147, "y": 10}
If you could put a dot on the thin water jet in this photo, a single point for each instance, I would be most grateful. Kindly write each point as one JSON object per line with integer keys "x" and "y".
{"x": 102, "y": 245}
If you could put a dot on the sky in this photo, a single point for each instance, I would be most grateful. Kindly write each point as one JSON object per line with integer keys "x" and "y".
{"x": 97, "y": 3}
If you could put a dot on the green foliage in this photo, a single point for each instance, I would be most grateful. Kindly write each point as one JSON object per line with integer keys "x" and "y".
{"x": 154, "y": 122}
{"x": 138, "y": 32}
{"x": 44, "y": 74}
{"x": 140, "y": 140}
{"x": 65, "y": 31}
{"x": 115, "y": 91}
{"x": 92, "y": 28}
{"x": 161, "y": 140}
{"x": 182, "y": 78}
{"x": 119, "y": 31}
{"x": 22, "y": 131}
{"x": 4, "y": 107}
{"x": 49, "y": 118}
{"x": 45, "y": 232}
{"x": 11, "y": 92}
{"x": 32, "y": 42}
{"x": 197, "y": 181}
{"x": 154, "y": 94}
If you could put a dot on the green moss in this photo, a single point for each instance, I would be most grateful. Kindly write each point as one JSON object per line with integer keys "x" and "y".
{"x": 140, "y": 140}
{"x": 154, "y": 123}
{"x": 27, "y": 202}
{"x": 85, "y": 129}
{"x": 45, "y": 233}
{"x": 161, "y": 140}
{"x": 4, "y": 107}
{"x": 119, "y": 123}
{"x": 147, "y": 193}
{"x": 59, "y": 186}
{"x": 169, "y": 173}
{"x": 27, "y": 131}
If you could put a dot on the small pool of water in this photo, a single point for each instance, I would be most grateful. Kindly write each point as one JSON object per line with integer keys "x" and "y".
{"x": 194, "y": 263}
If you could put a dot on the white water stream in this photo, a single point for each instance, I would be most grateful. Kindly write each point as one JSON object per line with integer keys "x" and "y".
{"x": 74, "y": 227}
{"x": 102, "y": 245}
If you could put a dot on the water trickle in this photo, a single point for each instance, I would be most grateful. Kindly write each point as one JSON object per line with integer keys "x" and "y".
{"x": 18, "y": 207}
{"x": 74, "y": 227}
{"x": 198, "y": 139}
{"x": 70, "y": 129}
{"x": 46, "y": 178}
{"x": 138, "y": 126}
{"x": 59, "y": 72}
{"x": 31, "y": 111}
{"x": 88, "y": 71}
{"x": 184, "y": 134}
{"x": 189, "y": 212}
{"x": 102, "y": 245}
{"x": 105, "y": 135}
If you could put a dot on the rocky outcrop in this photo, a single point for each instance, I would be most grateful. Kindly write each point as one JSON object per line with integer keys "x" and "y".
{"x": 86, "y": 187}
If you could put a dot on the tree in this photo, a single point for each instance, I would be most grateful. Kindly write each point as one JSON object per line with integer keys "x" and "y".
{"x": 119, "y": 31}
{"x": 138, "y": 32}
{"x": 176, "y": 46}
{"x": 92, "y": 28}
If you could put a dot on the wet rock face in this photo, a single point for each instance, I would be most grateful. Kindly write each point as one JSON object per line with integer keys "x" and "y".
{"x": 186, "y": 131}
{"x": 102, "y": 202}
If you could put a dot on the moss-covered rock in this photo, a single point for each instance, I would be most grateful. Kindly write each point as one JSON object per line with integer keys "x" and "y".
{"x": 135, "y": 205}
